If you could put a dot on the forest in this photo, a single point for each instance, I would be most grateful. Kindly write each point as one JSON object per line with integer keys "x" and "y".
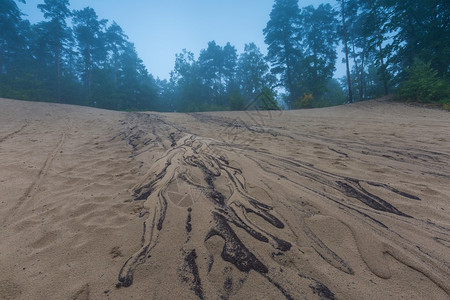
{"x": 397, "y": 47}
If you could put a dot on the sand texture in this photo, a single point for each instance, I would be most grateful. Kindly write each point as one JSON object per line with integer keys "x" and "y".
{"x": 351, "y": 202}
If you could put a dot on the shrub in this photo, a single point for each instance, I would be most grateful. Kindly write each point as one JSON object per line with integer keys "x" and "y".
{"x": 268, "y": 100}
{"x": 446, "y": 106}
{"x": 424, "y": 85}
{"x": 306, "y": 101}
{"x": 236, "y": 101}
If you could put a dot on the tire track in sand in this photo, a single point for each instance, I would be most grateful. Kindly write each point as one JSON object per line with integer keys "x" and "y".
{"x": 9, "y": 135}
{"x": 33, "y": 189}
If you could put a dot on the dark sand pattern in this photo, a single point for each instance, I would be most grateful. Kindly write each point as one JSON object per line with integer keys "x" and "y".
{"x": 348, "y": 202}
{"x": 222, "y": 187}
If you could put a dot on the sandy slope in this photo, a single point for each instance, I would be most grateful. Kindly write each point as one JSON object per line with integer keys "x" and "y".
{"x": 349, "y": 202}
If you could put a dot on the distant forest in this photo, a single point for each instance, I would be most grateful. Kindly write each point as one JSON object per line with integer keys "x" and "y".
{"x": 400, "y": 46}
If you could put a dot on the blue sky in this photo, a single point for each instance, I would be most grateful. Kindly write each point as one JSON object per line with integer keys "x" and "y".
{"x": 161, "y": 28}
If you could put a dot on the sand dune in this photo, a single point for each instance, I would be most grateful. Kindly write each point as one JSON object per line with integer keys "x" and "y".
{"x": 349, "y": 202}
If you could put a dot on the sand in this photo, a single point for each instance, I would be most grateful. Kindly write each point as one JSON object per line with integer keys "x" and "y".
{"x": 349, "y": 202}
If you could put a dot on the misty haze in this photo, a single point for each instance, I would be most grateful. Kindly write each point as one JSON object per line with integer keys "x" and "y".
{"x": 260, "y": 149}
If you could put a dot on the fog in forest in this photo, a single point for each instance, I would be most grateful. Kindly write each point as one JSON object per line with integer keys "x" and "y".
{"x": 293, "y": 54}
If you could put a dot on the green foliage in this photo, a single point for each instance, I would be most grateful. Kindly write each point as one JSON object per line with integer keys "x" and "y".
{"x": 217, "y": 80}
{"x": 9, "y": 21}
{"x": 186, "y": 89}
{"x": 319, "y": 39}
{"x": 422, "y": 32}
{"x": 302, "y": 47}
{"x": 94, "y": 64}
{"x": 268, "y": 100}
{"x": 56, "y": 35}
{"x": 88, "y": 31}
{"x": 253, "y": 72}
{"x": 369, "y": 35}
{"x": 88, "y": 64}
{"x": 236, "y": 101}
{"x": 424, "y": 85}
{"x": 217, "y": 72}
{"x": 281, "y": 36}
{"x": 211, "y": 107}
{"x": 333, "y": 95}
{"x": 306, "y": 101}
{"x": 386, "y": 36}
{"x": 372, "y": 82}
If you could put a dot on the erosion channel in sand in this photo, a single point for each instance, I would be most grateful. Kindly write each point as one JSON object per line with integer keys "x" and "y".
{"x": 349, "y": 202}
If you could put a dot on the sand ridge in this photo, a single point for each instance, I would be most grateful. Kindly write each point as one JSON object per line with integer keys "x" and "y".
{"x": 339, "y": 203}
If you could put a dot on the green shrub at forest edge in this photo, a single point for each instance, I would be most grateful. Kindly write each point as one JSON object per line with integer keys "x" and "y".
{"x": 424, "y": 85}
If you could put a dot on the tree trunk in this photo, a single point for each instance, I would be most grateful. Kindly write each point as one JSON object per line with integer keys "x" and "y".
{"x": 358, "y": 72}
{"x": 58, "y": 73}
{"x": 2, "y": 50}
{"x": 115, "y": 71}
{"x": 89, "y": 69}
{"x": 363, "y": 85}
{"x": 290, "y": 86}
{"x": 344, "y": 32}
{"x": 289, "y": 76}
{"x": 383, "y": 68}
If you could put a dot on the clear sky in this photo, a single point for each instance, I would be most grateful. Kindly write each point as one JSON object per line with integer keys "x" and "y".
{"x": 161, "y": 28}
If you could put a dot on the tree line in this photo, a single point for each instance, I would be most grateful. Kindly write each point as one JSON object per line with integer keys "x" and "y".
{"x": 90, "y": 63}
{"x": 389, "y": 46}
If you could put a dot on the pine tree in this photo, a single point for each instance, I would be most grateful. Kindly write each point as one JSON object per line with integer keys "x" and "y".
{"x": 211, "y": 69}
{"x": 115, "y": 40}
{"x": 56, "y": 30}
{"x": 88, "y": 32}
{"x": 318, "y": 44}
{"x": 188, "y": 88}
{"x": 422, "y": 31}
{"x": 346, "y": 50}
{"x": 281, "y": 36}
{"x": 229, "y": 54}
{"x": 253, "y": 72}
{"x": 11, "y": 42}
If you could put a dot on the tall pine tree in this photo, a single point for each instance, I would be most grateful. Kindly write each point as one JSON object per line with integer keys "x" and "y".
{"x": 253, "y": 72}
{"x": 318, "y": 44}
{"x": 88, "y": 32}
{"x": 281, "y": 36}
{"x": 56, "y": 30}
